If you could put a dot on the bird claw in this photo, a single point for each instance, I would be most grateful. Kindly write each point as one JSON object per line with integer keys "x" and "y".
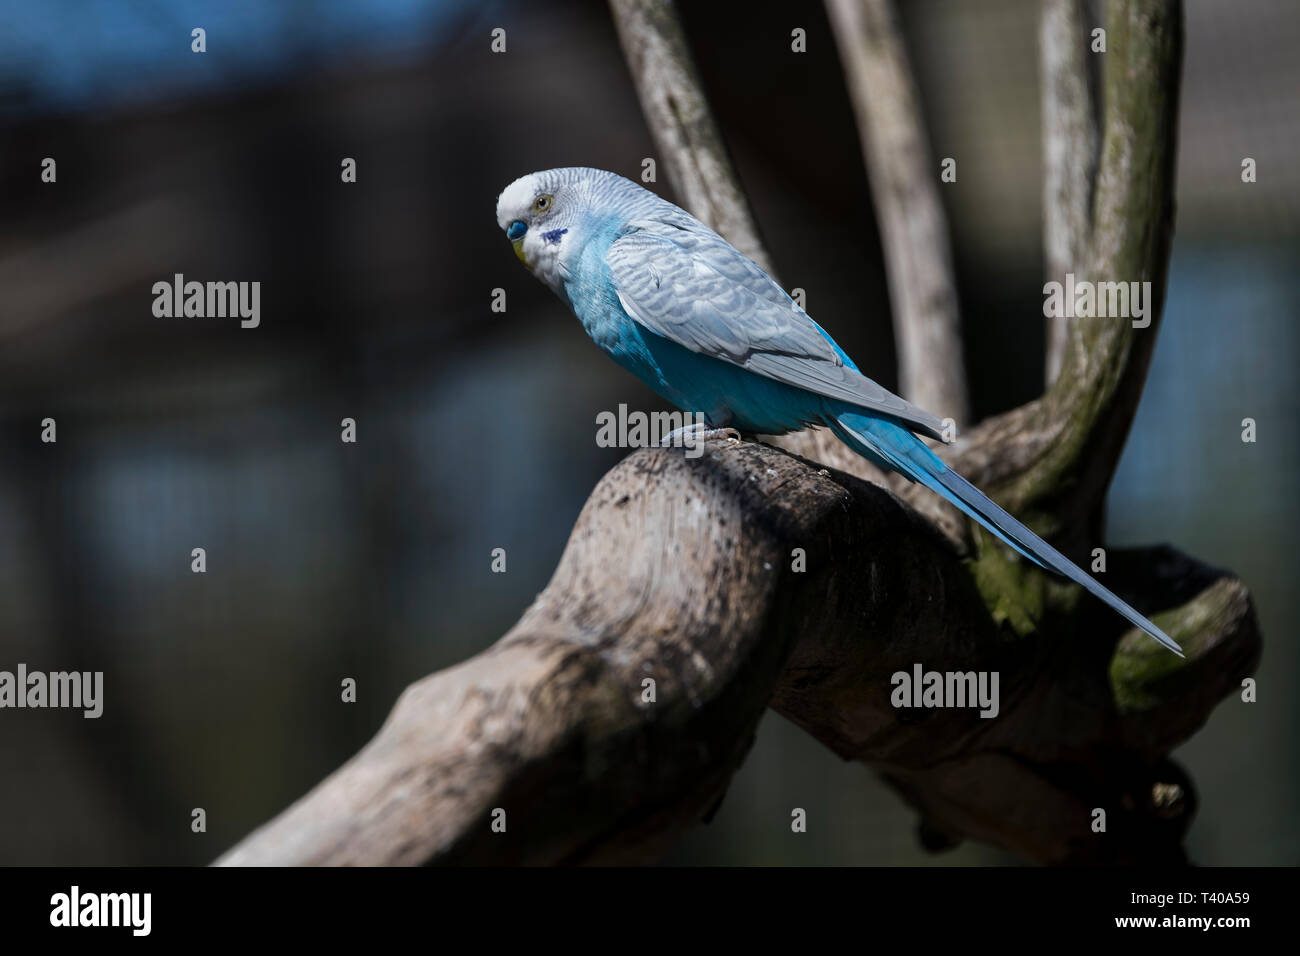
{"x": 694, "y": 433}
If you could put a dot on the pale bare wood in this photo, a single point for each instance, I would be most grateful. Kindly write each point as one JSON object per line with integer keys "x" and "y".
{"x": 905, "y": 186}
{"x": 1071, "y": 117}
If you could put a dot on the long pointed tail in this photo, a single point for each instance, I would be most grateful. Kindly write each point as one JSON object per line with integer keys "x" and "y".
{"x": 893, "y": 446}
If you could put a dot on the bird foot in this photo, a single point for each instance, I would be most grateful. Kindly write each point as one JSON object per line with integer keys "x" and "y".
{"x": 691, "y": 434}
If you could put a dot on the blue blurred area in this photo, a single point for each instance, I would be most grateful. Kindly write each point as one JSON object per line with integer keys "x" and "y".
{"x": 95, "y": 54}
{"x": 1228, "y": 351}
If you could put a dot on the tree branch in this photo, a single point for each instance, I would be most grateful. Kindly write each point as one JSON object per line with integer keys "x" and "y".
{"x": 914, "y": 229}
{"x": 682, "y": 124}
{"x": 680, "y": 571}
{"x": 1070, "y": 145}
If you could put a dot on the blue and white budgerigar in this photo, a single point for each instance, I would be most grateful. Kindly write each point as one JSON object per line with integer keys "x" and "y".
{"x": 687, "y": 313}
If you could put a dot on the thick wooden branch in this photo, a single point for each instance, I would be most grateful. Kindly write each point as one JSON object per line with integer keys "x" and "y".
{"x": 680, "y": 572}
{"x": 904, "y": 184}
{"x": 1086, "y": 723}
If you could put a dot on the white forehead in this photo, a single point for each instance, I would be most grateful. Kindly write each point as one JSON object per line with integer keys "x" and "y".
{"x": 515, "y": 199}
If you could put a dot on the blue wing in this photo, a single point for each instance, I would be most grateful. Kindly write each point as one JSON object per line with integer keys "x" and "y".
{"x": 686, "y": 283}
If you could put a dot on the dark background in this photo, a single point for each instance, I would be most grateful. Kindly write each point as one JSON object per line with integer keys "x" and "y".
{"x": 476, "y": 429}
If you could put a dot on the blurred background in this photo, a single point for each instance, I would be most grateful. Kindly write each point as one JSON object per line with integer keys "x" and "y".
{"x": 475, "y": 429}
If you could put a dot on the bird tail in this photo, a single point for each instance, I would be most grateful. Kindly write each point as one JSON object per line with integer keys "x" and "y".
{"x": 886, "y": 443}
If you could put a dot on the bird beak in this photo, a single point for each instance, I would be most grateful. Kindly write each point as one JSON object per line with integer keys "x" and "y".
{"x": 519, "y": 251}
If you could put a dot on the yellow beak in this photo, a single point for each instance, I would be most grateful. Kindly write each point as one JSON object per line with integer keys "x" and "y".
{"x": 519, "y": 251}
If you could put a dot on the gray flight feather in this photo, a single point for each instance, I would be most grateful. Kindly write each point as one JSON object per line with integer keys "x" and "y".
{"x": 680, "y": 279}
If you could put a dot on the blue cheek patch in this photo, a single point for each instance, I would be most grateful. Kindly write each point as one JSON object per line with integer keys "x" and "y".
{"x": 516, "y": 230}
{"x": 554, "y": 235}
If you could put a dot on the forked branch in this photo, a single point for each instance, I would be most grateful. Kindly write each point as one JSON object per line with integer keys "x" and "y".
{"x": 612, "y": 716}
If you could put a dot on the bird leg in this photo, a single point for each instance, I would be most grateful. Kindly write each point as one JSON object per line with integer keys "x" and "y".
{"x": 692, "y": 434}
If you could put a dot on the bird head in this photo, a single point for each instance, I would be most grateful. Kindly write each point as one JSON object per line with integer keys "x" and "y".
{"x": 538, "y": 214}
{"x": 547, "y": 216}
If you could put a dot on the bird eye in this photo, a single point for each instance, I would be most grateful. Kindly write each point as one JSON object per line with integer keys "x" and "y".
{"x": 543, "y": 203}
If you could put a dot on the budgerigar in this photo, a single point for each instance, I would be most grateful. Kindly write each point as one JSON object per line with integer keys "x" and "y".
{"x": 687, "y": 313}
